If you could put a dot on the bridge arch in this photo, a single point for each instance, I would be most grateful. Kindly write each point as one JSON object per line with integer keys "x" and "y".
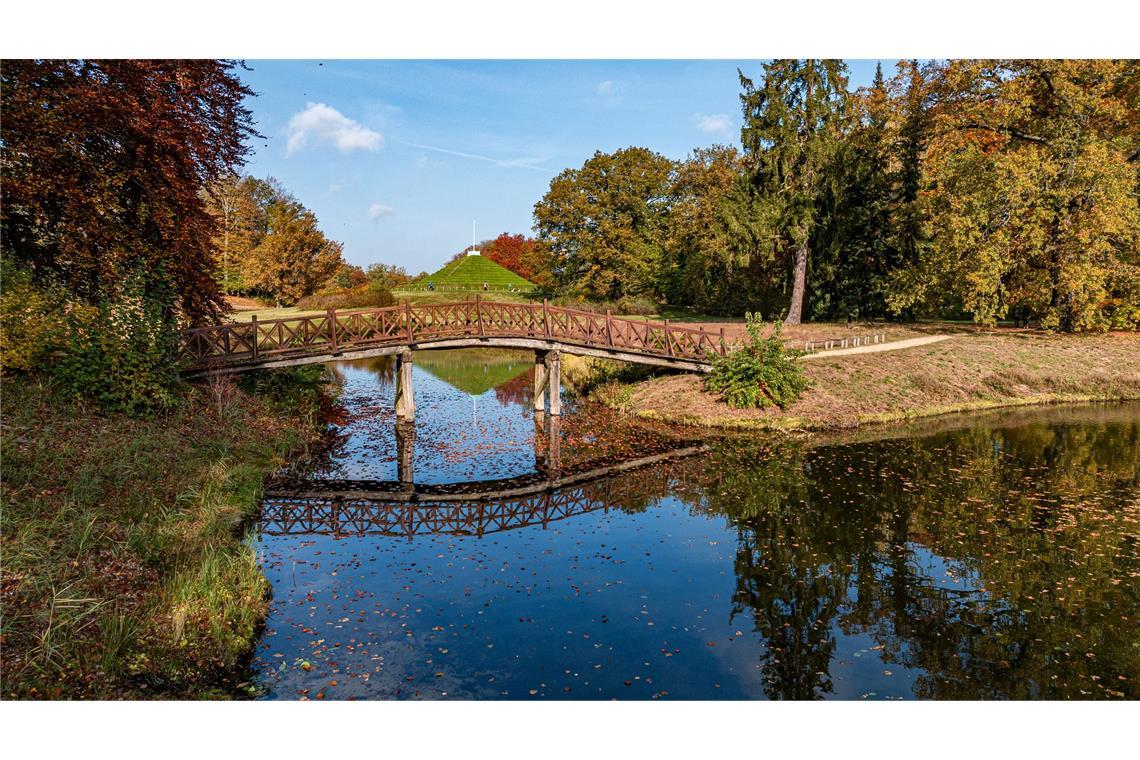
{"x": 548, "y": 330}
{"x": 401, "y": 508}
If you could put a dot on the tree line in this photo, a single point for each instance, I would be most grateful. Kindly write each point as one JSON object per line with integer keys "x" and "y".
{"x": 992, "y": 189}
{"x": 269, "y": 245}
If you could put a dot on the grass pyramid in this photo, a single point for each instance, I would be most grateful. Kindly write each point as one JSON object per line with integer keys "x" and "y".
{"x": 469, "y": 272}
{"x": 477, "y": 370}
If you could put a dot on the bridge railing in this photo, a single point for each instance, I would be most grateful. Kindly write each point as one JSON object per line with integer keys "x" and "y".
{"x": 338, "y": 331}
{"x": 481, "y": 512}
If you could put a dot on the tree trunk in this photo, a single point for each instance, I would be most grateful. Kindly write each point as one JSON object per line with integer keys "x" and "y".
{"x": 795, "y": 310}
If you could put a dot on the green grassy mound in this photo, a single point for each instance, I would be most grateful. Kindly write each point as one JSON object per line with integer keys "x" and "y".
{"x": 469, "y": 273}
{"x": 475, "y": 371}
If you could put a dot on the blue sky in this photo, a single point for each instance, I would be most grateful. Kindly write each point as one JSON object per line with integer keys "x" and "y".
{"x": 398, "y": 157}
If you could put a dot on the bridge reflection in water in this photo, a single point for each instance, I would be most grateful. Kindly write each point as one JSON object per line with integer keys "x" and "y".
{"x": 405, "y": 508}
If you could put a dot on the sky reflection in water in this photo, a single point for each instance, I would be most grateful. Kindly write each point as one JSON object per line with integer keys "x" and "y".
{"x": 990, "y": 557}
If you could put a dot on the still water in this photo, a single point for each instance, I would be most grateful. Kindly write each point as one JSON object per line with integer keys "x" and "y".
{"x": 992, "y": 556}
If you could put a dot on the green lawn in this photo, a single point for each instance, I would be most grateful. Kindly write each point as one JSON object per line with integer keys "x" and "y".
{"x": 470, "y": 273}
{"x": 270, "y": 312}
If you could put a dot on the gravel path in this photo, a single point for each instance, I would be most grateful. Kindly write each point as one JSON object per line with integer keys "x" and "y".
{"x": 877, "y": 347}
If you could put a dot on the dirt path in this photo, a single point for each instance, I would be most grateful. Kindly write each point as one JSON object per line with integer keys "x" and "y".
{"x": 875, "y": 348}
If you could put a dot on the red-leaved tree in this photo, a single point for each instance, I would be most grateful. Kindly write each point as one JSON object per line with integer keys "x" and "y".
{"x": 521, "y": 255}
{"x": 103, "y": 163}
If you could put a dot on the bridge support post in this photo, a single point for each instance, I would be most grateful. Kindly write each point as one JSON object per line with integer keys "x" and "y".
{"x": 553, "y": 447}
{"x": 405, "y": 399}
{"x": 540, "y": 441}
{"x": 554, "y": 381}
{"x": 405, "y": 453}
{"x": 540, "y": 381}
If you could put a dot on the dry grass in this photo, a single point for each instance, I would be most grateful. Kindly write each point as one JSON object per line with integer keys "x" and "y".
{"x": 241, "y": 303}
{"x": 973, "y": 370}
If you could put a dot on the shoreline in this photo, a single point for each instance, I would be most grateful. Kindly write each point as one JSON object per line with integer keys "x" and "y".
{"x": 796, "y": 425}
{"x": 848, "y": 391}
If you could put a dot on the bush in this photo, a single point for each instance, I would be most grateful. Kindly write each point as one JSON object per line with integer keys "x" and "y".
{"x": 289, "y": 386}
{"x": 120, "y": 354}
{"x": 362, "y": 297}
{"x": 31, "y": 319}
{"x": 762, "y": 373}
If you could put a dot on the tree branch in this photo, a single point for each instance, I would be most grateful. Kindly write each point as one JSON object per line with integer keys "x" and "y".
{"x": 1007, "y": 131}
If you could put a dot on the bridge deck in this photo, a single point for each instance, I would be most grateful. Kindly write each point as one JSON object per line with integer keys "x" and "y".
{"x": 237, "y": 347}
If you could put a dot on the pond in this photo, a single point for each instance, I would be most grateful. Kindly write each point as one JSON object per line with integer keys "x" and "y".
{"x": 593, "y": 557}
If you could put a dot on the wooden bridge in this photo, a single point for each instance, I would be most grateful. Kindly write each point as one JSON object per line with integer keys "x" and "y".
{"x": 394, "y": 508}
{"x": 359, "y": 334}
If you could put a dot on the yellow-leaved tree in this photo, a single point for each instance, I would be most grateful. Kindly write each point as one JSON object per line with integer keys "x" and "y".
{"x": 1030, "y": 186}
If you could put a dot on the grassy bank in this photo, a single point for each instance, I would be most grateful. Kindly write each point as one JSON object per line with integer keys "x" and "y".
{"x": 125, "y": 569}
{"x": 976, "y": 370}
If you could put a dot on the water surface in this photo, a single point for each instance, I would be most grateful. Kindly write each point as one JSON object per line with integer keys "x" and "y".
{"x": 993, "y": 556}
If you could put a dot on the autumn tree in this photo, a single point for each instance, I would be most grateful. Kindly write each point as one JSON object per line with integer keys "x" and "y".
{"x": 104, "y": 162}
{"x": 239, "y": 204}
{"x": 1032, "y": 176}
{"x": 347, "y": 276}
{"x": 294, "y": 258}
{"x": 521, "y": 255}
{"x": 603, "y": 224}
{"x": 793, "y": 122}
{"x": 715, "y": 254}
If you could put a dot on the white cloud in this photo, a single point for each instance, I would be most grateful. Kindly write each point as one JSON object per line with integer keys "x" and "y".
{"x": 378, "y": 210}
{"x": 610, "y": 93}
{"x": 712, "y": 123}
{"x": 320, "y": 124}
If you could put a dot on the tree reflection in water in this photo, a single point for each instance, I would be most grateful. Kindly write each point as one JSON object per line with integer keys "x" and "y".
{"x": 1000, "y": 563}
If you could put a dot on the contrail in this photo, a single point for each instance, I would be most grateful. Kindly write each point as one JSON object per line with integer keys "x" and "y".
{"x": 507, "y": 163}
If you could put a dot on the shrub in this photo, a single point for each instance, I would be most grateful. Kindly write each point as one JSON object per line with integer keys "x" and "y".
{"x": 31, "y": 319}
{"x": 361, "y": 297}
{"x": 120, "y": 354}
{"x": 761, "y": 373}
{"x": 290, "y": 386}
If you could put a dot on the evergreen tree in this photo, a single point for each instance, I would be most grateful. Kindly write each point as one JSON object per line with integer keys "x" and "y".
{"x": 910, "y": 100}
{"x": 792, "y": 128}
{"x": 852, "y": 244}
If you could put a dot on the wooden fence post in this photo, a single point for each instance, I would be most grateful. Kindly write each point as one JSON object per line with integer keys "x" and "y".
{"x": 668, "y": 342}
{"x": 479, "y": 311}
{"x": 253, "y": 321}
{"x": 545, "y": 319}
{"x": 609, "y": 329}
{"x": 330, "y": 316}
{"x": 408, "y": 318}
{"x": 723, "y": 345}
